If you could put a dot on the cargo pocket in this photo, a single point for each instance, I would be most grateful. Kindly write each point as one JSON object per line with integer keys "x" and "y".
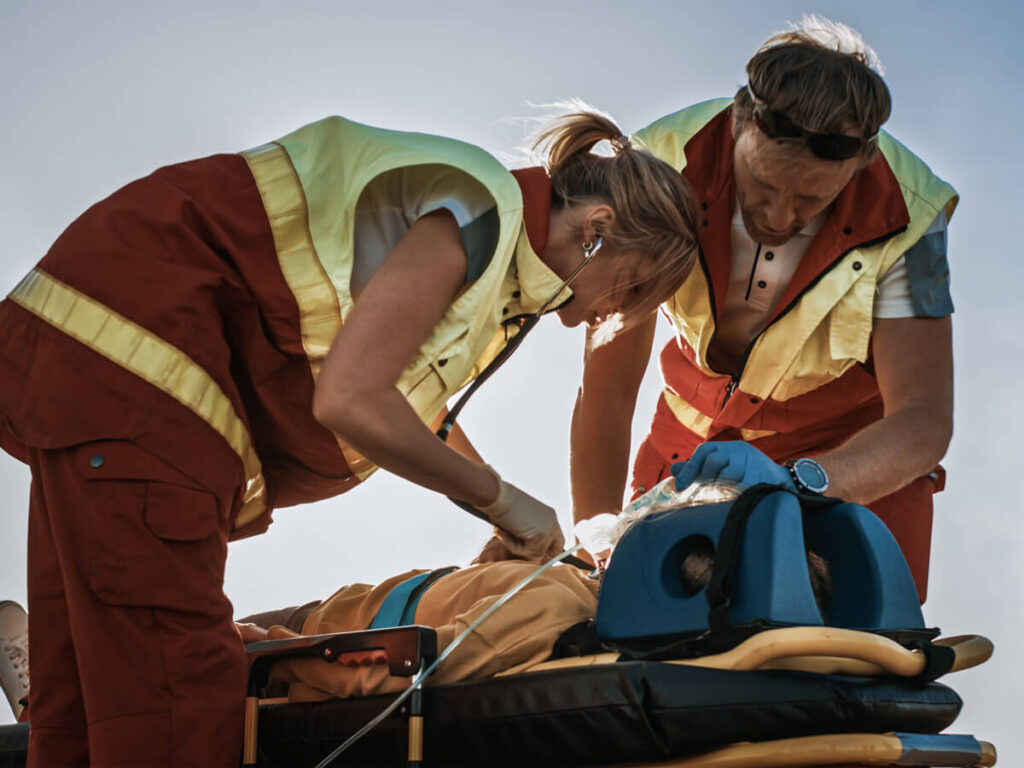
{"x": 157, "y": 539}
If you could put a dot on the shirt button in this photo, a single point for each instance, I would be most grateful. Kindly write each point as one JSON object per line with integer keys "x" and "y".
{"x": 96, "y": 461}
{"x": 515, "y": 294}
{"x": 769, "y": 256}
{"x": 504, "y": 310}
{"x": 703, "y": 206}
{"x": 762, "y": 284}
{"x": 847, "y": 230}
{"x": 442, "y": 362}
{"x": 703, "y": 222}
{"x": 675, "y": 455}
{"x": 857, "y": 265}
{"x": 754, "y": 401}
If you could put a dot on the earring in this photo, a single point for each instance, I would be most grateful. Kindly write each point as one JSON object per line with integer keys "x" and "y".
{"x": 589, "y": 248}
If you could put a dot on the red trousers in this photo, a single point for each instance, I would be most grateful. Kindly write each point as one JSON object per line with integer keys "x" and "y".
{"x": 135, "y": 661}
{"x": 907, "y": 512}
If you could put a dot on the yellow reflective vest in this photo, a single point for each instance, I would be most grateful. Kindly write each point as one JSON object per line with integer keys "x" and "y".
{"x": 807, "y": 380}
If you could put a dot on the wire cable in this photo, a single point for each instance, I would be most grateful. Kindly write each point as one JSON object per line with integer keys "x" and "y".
{"x": 417, "y": 681}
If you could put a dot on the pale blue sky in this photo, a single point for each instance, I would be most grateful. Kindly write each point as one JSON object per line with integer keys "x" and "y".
{"x": 95, "y": 94}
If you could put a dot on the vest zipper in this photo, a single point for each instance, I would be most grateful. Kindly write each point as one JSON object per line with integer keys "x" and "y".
{"x": 734, "y": 381}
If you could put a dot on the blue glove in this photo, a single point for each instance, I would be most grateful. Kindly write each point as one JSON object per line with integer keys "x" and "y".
{"x": 735, "y": 461}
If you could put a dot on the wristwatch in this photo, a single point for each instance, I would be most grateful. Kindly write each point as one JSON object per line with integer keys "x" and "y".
{"x": 808, "y": 475}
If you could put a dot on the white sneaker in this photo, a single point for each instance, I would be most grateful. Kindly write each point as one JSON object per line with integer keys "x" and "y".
{"x": 14, "y": 654}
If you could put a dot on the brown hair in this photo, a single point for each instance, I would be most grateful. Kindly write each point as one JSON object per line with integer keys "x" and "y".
{"x": 699, "y": 564}
{"x": 655, "y": 213}
{"x": 822, "y": 76}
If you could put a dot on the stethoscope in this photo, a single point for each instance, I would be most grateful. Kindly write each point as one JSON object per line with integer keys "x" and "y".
{"x": 526, "y": 325}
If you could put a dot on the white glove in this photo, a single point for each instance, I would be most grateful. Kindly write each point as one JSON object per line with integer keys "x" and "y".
{"x": 527, "y": 526}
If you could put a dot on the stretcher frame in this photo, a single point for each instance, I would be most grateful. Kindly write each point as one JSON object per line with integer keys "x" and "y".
{"x": 405, "y": 651}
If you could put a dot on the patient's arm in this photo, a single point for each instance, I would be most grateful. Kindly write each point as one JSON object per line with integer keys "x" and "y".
{"x": 519, "y": 634}
{"x": 250, "y": 633}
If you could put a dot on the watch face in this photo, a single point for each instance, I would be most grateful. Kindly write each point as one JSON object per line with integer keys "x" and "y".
{"x": 811, "y": 475}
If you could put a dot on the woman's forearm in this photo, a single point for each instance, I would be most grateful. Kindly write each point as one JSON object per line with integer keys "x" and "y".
{"x": 383, "y": 427}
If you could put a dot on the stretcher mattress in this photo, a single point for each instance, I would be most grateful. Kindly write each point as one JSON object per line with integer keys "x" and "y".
{"x": 603, "y": 715}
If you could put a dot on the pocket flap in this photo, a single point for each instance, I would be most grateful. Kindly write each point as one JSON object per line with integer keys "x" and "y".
{"x": 124, "y": 460}
{"x": 180, "y": 514}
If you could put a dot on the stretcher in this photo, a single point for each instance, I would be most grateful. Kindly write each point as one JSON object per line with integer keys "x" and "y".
{"x": 801, "y": 696}
{"x": 748, "y": 672}
{"x": 776, "y": 682}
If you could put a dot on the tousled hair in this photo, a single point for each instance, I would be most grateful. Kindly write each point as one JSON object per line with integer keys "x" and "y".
{"x": 823, "y": 76}
{"x": 655, "y": 212}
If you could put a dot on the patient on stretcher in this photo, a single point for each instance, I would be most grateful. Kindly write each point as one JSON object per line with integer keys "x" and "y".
{"x": 518, "y": 636}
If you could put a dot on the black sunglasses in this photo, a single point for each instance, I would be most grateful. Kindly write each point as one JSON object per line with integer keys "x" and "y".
{"x": 827, "y": 146}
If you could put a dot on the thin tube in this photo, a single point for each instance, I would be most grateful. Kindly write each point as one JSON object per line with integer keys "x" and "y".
{"x": 417, "y": 681}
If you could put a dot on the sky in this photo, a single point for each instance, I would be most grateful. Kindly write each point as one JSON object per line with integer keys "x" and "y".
{"x": 94, "y": 95}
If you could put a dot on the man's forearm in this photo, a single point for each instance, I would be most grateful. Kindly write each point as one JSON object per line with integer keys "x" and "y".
{"x": 914, "y": 368}
{"x": 886, "y": 455}
{"x": 598, "y": 459}
{"x": 602, "y": 420}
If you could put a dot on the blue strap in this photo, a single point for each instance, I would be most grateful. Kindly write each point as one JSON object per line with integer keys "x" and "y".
{"x": 938, "y": 749}
{"x": 399, "y": 606}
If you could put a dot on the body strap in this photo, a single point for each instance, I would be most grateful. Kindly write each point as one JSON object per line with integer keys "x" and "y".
{"x": 399, "y": 606}
{"x": 730, "y": 541}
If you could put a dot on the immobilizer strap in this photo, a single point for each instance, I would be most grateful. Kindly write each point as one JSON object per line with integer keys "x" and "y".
{"x": 399, "y": 606}
{"x": 730, "y": 541}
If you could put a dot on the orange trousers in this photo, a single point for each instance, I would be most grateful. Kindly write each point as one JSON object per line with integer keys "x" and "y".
{"x": 135, "y": 660}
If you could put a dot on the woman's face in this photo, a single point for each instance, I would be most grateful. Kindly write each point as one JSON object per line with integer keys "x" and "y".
{"x": 601, "y": 288}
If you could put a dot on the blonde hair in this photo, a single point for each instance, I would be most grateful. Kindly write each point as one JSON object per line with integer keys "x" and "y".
{"x": 655, "y": 212}
{"x": 823, "y": 76}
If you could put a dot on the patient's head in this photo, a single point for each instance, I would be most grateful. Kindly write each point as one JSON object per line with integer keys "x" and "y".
{"x": 696, "y": 568}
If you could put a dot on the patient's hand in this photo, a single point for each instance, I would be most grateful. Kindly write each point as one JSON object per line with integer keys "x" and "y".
{"x": 494, "y": 551}
{"x": 250, "y": 633}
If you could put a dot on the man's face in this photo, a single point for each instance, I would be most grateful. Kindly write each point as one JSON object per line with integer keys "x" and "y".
{"x": 780, "y": 187}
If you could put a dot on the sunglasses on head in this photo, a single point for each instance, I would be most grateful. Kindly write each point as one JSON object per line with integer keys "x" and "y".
{"x": 827, "y": 146}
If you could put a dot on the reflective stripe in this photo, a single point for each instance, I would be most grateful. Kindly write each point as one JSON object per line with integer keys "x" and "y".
{"x": 700, "y": 423}
{"x": 688, "y": 416}
{"x": 152, "y": 359}
{"x": 319, "y": 313}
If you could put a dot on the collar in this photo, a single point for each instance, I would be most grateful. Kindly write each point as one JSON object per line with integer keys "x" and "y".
{"x": 869, "y": 209}
{"x": 537, "y": 281}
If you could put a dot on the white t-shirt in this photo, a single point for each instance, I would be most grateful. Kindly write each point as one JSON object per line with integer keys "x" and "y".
{"x": 760, "y": 274}
{"x": 393, "y": 201}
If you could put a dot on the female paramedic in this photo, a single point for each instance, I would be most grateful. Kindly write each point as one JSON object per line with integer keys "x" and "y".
{"x": 257, "y": 330}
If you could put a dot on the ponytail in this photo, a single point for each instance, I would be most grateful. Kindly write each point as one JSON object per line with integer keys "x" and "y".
{"x": 655, "y": 213}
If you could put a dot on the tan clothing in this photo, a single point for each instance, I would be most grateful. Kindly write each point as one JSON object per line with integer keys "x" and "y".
{"x": 518, "y": 635}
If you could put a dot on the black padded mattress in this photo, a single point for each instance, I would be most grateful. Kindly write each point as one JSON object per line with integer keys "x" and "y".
{"x": 625, "y": 712}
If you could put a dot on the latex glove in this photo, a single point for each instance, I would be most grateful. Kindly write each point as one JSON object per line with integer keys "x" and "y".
{"x": 735, "y": 461}
{"x": 527, "y": 526}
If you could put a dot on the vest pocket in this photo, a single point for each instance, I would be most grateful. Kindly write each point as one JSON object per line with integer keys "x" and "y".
{"x": 850, "y": 323}
{"x": 438, "y": 380}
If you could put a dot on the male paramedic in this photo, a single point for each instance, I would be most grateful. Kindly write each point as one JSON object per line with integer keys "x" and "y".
{"x": 813, "y": 347}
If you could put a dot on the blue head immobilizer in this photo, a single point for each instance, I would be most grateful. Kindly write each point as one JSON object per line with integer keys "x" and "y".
{"x": 643, "y": 595}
